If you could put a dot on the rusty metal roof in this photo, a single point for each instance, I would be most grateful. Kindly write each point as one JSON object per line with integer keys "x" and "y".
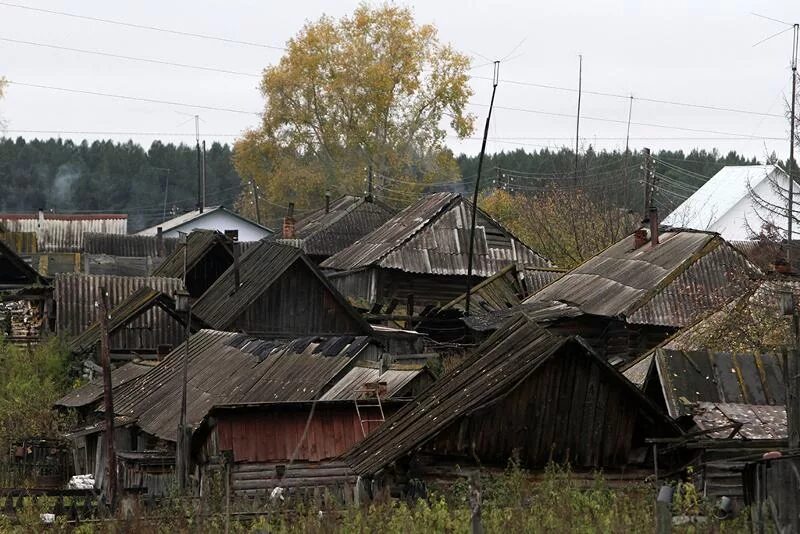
{"x": 349, "y": 218}
{"x": 396, "y": 377}
{"x": 432, "y": 236}
{"x": 127, "y": 245}
{"x": 688, "y": 377}
{"x": 757, "y": 421}
{"x": 57, "y": 232}
{"x": 229, "y": 368}
{"x": 687, "y": 275}
{"x": 495, "y": 369}
{"x": 75, "y": 296}
{"x": 199, "y": 243}
{"x": 93, "y": 391}
{"x": 260, "y": 267}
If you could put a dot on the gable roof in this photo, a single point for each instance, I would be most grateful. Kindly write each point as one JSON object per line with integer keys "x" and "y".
{"x": 432, "y": 236}
{"x": 127, "y": 311}
{"x": 709, "y": 207}
{"x": 229, "y": 368}
{"x": 93, "y": 391}
{"x": 198, "y": 244}
{"x": 689, "y": 273}
{"x": 260, "y": 267}
{"x": 15, "y": 272}
{"x": 324, "y": 233}
{"x": 194, "y": 215}
{"x": 396, "y": 377}
{"x": 495, "y": 369}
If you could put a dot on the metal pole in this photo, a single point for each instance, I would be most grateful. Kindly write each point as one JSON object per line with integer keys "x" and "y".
{"x": 578, "y": 121}
{"x": 791, "y": 145}
{"x": 647, "y": 200}
{"x": 255, "y": 199}
{"x": 203, "y": 188}
{"x": 627, "y": 156}
{"x": 495, "y": 80}
{"x": 369, "y": 183}
{"x": 793, "y": 381}
{"x": 199, "y": 165}
{"x": 105, "y": 361}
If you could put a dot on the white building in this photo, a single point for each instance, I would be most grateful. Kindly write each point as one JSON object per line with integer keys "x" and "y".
{"x": 734, "y": 203}
{"x": 212, "y": 218}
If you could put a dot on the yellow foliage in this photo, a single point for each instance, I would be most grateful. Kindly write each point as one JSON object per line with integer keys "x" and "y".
{"x": 368, "y": 90}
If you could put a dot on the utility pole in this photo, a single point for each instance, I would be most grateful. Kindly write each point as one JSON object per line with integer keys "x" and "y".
{"x": 627, "y": 156}
{"x": 647, "y": 189}
{"x": 791, "y": 144}
{"x": 199, "y": 165}
{"x": 495, "y": 81}
{"x": 105, "y": 361}
{"x": 182, "y": 448}
{"x": 255, "y": 200}
{"x": 203, "y": 182}
{"x": 578, "y": 122}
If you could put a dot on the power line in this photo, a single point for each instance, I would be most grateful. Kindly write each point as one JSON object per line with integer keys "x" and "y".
{"x": 129, "y": 58}
{"x": 132, "y": 133}
{"x": 144, "y": 26}
{"x": 131, "y": 98}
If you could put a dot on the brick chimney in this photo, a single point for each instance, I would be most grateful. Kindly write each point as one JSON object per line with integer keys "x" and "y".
{"x": 288, "y": 223}
{"x": 327, "y": 201}
{"x": 653, "y": 216}
{"x": 640, "y": 237}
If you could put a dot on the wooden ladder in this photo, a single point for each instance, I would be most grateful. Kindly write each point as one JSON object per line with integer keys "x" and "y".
{"x": 368, "y": 397}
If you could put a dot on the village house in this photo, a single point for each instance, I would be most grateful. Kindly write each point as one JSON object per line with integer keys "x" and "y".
{"x": 215, "y": 218}
{"x": 199, "y": 260}
{"x": 25, "y": 299}
{"x": 334, "y": 227}
{"x": 525, "y": 394}
{"x": 418, "y": 259}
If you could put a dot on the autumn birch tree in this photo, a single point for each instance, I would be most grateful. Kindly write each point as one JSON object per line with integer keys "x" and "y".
{"x": 369, "y": 90}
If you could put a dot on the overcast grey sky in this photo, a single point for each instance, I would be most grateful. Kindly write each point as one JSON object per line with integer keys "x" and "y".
{"x": 697, "y": 52}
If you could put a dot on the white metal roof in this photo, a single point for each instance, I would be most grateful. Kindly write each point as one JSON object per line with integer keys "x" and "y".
{"x": 189, "y": 216}
{"x": 726, "y": 191}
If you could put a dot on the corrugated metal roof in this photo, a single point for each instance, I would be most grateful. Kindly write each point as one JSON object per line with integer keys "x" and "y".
{"x": 688, "y": 377}
{"x": 198, "y": 244}
{"x": 539, "y": 312}
{"x": 349, "y": 218}
{"x": 706, "y": 208}
{"x": 63, "y": 232}
{"x": 188, "y": 217}
{"x": 75, "y": 296}
{"x": 432, "y": 236}
{"x": 128, "y": 245}
{"x": 126, "y": 312}
{"x": 93, "y": 391}
{"x": 687, "y": 274}
{"x": 396, "y": 377}
{"x": 229, "y": 368}
{"x": 537, "y": 278}
{"x": 758, "y": 421}
{"x": 259, "y": 268}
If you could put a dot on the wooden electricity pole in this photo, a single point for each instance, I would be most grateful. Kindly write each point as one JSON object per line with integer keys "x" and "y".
{"x": 105, "y": 361}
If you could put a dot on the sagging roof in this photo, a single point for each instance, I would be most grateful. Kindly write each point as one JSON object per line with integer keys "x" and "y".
{"x": 195, "y": 215}
{"x": 15, "y": 273}
{"x": 432, "y": 236}
{"x": 685, "y": 276}
{"x": 349, "y": 218}
{"x": 754, "y": 422}
{"x": 506, "y": 289}
{"x": 229, "y": 368}
{"x": 724, "y": 203}
{"x": 690, "y": 377}
{"x": 198, "y": 244}
{"x": 539, "y": 312}
{"x": 396, "y": 377}
{"x": 494, "y": 370}
{"x": 93, "y": 391}
{"x": 259, "y": 268}
{"x": 126, "y": 312}
{"x": 75, "y": 296}
{"x": 63, "y": 232}
{"x": 129, "y": 245}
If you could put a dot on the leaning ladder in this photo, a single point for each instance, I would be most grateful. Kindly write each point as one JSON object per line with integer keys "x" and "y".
{"x": 368, "y": 397}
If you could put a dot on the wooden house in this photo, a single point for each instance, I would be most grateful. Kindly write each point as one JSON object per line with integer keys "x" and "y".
{"x": 525, "y": 393}
{"x": 199, "y": 261}
{"x": 25, "y": 299}
{"x": 419, "y": 258}
{"x": 276, "y": 291}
